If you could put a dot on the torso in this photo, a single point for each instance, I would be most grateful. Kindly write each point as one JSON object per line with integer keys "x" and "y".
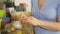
{"x": 47, "y": 12}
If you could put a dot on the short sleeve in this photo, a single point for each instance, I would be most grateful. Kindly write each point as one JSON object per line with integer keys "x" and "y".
{"x": 58, "y": 8}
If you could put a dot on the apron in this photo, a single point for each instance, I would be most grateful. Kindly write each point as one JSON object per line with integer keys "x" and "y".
{"x": 48, "y": 12}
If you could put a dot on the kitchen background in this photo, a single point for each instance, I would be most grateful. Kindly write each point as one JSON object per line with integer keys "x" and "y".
{"x": 16, "y": 3}
{"x": 10, "y": 11}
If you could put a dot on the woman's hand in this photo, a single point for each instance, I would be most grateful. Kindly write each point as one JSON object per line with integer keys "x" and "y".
{"x": 32, "y": 20}
{"x": 23, "y": 18}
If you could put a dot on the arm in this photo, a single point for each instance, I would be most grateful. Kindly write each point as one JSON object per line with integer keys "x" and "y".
{"x": 55, "y": 26}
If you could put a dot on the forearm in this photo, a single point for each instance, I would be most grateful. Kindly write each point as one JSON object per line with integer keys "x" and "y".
{"x": 50, "y": 25}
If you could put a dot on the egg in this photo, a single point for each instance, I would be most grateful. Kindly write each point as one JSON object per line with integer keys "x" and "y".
{"x": 17, "y": 25}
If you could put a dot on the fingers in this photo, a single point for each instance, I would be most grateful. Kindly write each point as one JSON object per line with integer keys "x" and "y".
{"x": 30, "y": 20}
{"x": 23, "y": 18}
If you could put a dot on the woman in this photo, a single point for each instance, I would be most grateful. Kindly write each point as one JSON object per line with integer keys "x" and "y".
{"x": 46, "y": 14}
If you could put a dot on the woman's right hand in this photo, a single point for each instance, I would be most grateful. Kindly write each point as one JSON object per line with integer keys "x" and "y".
{"x": 31, "y": 20}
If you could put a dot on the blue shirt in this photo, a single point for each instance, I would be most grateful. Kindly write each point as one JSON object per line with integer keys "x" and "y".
{"x": 49, "y": 12}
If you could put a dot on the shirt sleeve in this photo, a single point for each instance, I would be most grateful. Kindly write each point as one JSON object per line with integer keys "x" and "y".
{"x": 58, "y": 8}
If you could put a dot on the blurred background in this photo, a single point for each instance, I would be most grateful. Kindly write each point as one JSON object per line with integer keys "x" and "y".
{"x": 10, "y": 11}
